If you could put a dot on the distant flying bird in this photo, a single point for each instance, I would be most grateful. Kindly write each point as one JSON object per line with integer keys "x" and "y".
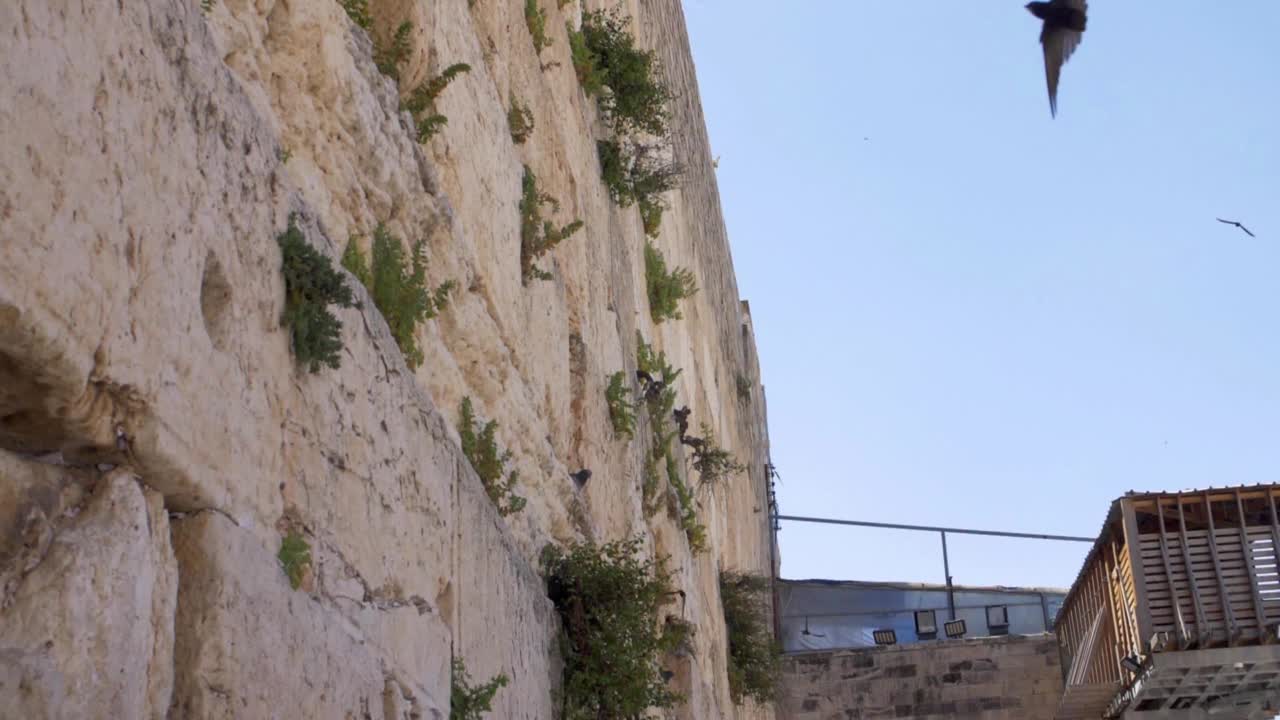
{"x": 1242, "y": 227}
{"x": 1063, "y": 29}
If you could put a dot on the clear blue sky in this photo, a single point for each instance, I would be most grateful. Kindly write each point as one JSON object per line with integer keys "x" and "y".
{"x": 971, "y": 314}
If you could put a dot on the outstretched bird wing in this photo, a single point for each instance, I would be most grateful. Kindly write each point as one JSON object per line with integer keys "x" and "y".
{"x": 1059, "y": 43}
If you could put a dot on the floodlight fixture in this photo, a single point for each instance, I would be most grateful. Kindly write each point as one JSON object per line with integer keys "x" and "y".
{"x": 997, "y": 617}
{"x": 1131, "y": 663}
{"x": 926, "y": 623}
{"x": 955, "y": 628}
{"x": 885, "y": 637}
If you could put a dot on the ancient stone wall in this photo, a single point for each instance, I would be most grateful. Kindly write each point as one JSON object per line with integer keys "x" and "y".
{"x": 158, "y": 439}
{"x": 1013, "y": 678}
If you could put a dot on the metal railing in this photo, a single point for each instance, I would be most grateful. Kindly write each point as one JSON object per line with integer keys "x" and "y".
{"x": 942, "y": 531}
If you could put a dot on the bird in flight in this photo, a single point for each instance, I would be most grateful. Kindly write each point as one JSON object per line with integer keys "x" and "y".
{"x": 1237, "y": 224}
{"x": 1063, "y": 28}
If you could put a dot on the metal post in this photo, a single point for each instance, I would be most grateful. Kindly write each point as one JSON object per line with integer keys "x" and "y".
{"x": 946, "y": 568}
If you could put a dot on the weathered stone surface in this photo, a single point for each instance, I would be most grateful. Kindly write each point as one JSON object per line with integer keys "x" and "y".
{"x": 504, "y": 622}
{"x": 248, "y": 645}
{"x": 35, "y": 499}
{"x": 1006, "y": 678}
{"x": 142, "y": 186}
{"x": 88, "y": 632}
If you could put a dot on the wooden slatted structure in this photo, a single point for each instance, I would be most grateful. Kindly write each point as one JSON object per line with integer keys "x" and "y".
{"x": 1182, "y": 572}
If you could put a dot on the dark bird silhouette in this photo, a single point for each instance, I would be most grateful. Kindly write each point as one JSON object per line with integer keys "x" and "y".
{"x": 581, "y": 477}
{"x": 1242, "y": 227}
{"x": 682, "y": 419}
{"x": 1063, "y": 28}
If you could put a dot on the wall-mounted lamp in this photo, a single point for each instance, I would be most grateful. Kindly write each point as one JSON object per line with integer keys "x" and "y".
{"x": 885, "y": 637}
{"x": 926, "y": 623}
{"x": 955, "y": 628}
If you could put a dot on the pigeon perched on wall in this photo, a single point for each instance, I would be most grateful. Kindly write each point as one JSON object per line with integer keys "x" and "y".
{"x": 1063, "y": 28}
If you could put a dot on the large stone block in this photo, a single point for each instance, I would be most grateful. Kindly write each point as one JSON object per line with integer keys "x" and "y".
{"x": 88, "y": 629}
{"x": 249, "y": 646}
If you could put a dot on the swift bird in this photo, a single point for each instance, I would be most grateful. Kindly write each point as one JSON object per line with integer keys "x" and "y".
{"x": 1063, "y": 28}
{"x": 1237, "y": 224}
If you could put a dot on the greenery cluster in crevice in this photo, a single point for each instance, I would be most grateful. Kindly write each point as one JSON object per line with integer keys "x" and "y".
{"x": 311, "y": 284}
{"x": 659, "y": 396}
{"x": 609, "y": 600}
{"x": 480, "y": 445}
{"x": 535, "y": 18}
{"x": 743, "y": 388}
{"x": 712, "y": 462}
{"x": 665, "y": 288}
{"x": 295, "y": 558}
{"x": 538, "y": 236}
{"x": 388, "y": 57}
{"x": 626, "y": 83}
{"x": 467, "y": 701}
{"x": 755, "y": 658}
{"x": 639, "y": 173}
{"x": 519, "y": 120}
{"x": 358, "y": 11}
{"x": 399, "y": 287}
{"x": 422, "y": 101}
{"x": 621, "y": 412}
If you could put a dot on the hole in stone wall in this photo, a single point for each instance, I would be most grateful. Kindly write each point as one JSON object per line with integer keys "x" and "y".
{"x": 26, "y": 426}
{"x": 215, "y": 302}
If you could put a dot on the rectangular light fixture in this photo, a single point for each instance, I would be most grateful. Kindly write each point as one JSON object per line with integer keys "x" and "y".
{"x": 1131, "y": 664}
{"x": 926, "y": 623}
{"x": 885, "y": 637}
{"x": 955, "y": 628}
{"x": 997, "y": 617}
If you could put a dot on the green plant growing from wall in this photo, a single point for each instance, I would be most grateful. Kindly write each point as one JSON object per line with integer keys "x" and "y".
{"x": 621, "y": 414}
{"x": 467, "y": 701}
{"x": 388, "y": 58}
{"x": 609, "y": 601}
{"x": 399, "y": 288}
{"x": 650, "y": 485}
{"x": 206, "y": 5}
{"x": 665, "y": 288}
{"x": 295, "y": 557}
{"x": 637, "y": 99}
{"x": 422, "y": 101}
{"x": 585, "y": 65}
{"x": 651, "y": 216}
{"x": 358, "y": 11}
{"x": 755, "y": 659}
{"x": 660, "y": 399}
{"x": 538, "y": 236}
{"x": 743, "y": 387}
{"x": 311, "y": 285}
{"x": 519, "y": 120}
{"x": 637, "y": 171}
{"x": 356, "y": 263}
{"x": 713, "y": 462}
{"x": 535, "y": 18}
{"x": 480, "y": 445}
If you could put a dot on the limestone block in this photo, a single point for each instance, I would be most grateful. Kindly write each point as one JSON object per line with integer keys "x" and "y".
{"x": 248, "y": 645}
{"x": 89, "y": 630}
{"x": 505, "y": 622}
